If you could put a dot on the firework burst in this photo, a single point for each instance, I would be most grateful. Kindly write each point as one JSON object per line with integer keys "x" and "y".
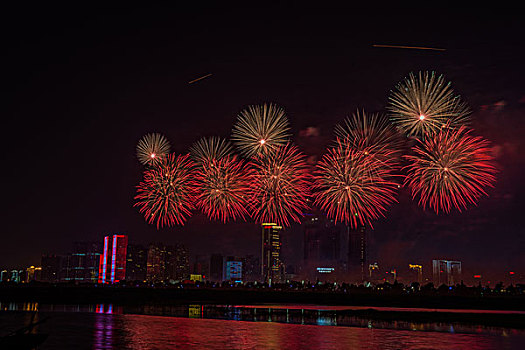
{"x": 450, "y": 170}
{"x": 423, "y": 104}
{"x": 222, "y": 187}
{"x": 280, "y": 186}
{"x": 151, "y": 148}
{"x": 165, "y": 194}
{"x": 371, "y": 135}
{"x": 208, "y": 149}
{"x": 260, "y": 129}
{"x": 352, "y": 187}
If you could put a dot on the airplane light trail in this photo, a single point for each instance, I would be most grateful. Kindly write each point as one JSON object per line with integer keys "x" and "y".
{"x": 410, "y": 47}
{"x": 203, "y": 77}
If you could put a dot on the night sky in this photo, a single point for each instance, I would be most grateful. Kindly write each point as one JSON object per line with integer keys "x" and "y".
{"x": 82, "y": 86}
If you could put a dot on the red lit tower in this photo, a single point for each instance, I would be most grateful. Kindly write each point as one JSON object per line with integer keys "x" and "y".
{"x": 112, "y": 267}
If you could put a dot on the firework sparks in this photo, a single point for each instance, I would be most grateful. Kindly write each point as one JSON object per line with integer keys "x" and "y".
{"x": 371, "y": 135}
{"x": 152, "y": 148}
{"x": 352, "y": 187}
{"x": 260, "y": 129}
{"x": 280, "y": 186}
{"x": 450, "y": 170}
{"x": 211, "y": 148}
{"x": 165, "y": 194}
{"x": 222, "y": 187}
{"x": 423, "y": 104}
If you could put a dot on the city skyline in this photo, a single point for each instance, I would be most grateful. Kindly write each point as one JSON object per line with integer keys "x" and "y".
{"x": 99, "y": 123}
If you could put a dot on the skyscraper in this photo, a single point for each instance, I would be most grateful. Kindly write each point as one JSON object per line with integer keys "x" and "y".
{"x": 216, "y": 267}
{"x": 446, "y": 272}
{"x": 167, "y": 263}
{"x": 357, "y": 263}
{"x": 201, "y": 266}
{"x": 136, "y": 263}
{"x": 322, "y": 247}
{"x": 82, "y": 264}
{"x": 234, "y": 269}
{"x": 51, "y": 265}
{"x": 416, "y": 273}
{"x": 112, "y": 267}
{"x": 272, "y": 268}
{"x": 178, "y": 263}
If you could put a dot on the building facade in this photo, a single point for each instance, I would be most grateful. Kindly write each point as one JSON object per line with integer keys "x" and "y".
{"x": 136, "y": 262}
{"x": 357, "y": 257}
{"x": 82, "y": 264}
{"x": 272, "y": 267}
{"x": 446, "y": 272}
{"x": 51, "y": 267}
{"x": 112, "y": 265}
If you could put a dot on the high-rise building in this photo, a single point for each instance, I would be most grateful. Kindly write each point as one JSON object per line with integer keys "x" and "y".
{"x": 446, "y": 272}
{"x": 4, "y": 276}
{"x": 15, "y": 276}
{"x": 251, "y": 268}
{"x": 216, "y": 267}
{"x": 51, "y": 267}
{"x": 33, "y": 274}
{"x": 272, "y": 267}
{"x": 178, "y": 263}
{"x": 136, "y": 263}
{"x": 322, "y": 247}
{"x": 234, "y": 269}
{"x": 112, "y": 266}
{"x": 357, "y": 263}
{"x": 156, "y": 264}
{"x": 201, "y": 266}
{"x": 82, "y": 264}
{"x": 374, "y": 274}
{"x": 416, "y": 273}
{"x": 167, "y": 263}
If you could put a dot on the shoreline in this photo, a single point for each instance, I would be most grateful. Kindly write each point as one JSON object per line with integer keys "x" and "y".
{"x": 96, "y": 294}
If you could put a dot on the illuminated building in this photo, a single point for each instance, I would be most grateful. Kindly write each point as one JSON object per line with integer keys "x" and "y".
{"x": 417, "y": 273}
{"x": 4, "y": 276}
{"x": 322, "y": 247}
{"x": 156, "y": 265}
{"x": 112, "y": 267}
{"x": 83, "y": 264}
{"x": 391, "y": 276}
{"x": 136, "y": 263}
{"x": 33, "y": 274}
{"x": 196, "y": 277}
{"x": 357, "y": 262}
{"x": 373, "y": 272}
{"x": 272, "y": 268}
{"x": 167, "y": 263}
{"x": 446, "y": 272}
{"x": 178, "y": 263}
{"x": 15, "y": 276}
{"x": 51, "y": 266}
{"x": 201, "y": 266}
{"x": 251, "y": 268}
{"x": 234, "y": 269}
{"x": 216, "y": 267}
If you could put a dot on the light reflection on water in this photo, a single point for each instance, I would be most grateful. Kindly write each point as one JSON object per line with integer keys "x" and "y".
{"x": 114, "y": 331}
{"x": 107, "y": 326}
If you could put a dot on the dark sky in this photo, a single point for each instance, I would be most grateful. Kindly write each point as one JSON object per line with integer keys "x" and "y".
{"x": 83, "y": 85}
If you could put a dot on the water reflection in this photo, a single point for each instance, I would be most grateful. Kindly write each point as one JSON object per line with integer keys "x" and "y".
{"x": 273, "y": 314}
{"x": 111, "y": 327}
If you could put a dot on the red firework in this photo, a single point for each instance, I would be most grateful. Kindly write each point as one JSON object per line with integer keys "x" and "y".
{"x": 352, "y": 187}
{"x": 450, "y": 170}
{"x": 165, "y": 194}
{"x": 280, "y": 186}
{"x": 222, "y": 187}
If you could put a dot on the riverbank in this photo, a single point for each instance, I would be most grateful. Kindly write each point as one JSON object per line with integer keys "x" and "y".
{"x": 97, "y": 294}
